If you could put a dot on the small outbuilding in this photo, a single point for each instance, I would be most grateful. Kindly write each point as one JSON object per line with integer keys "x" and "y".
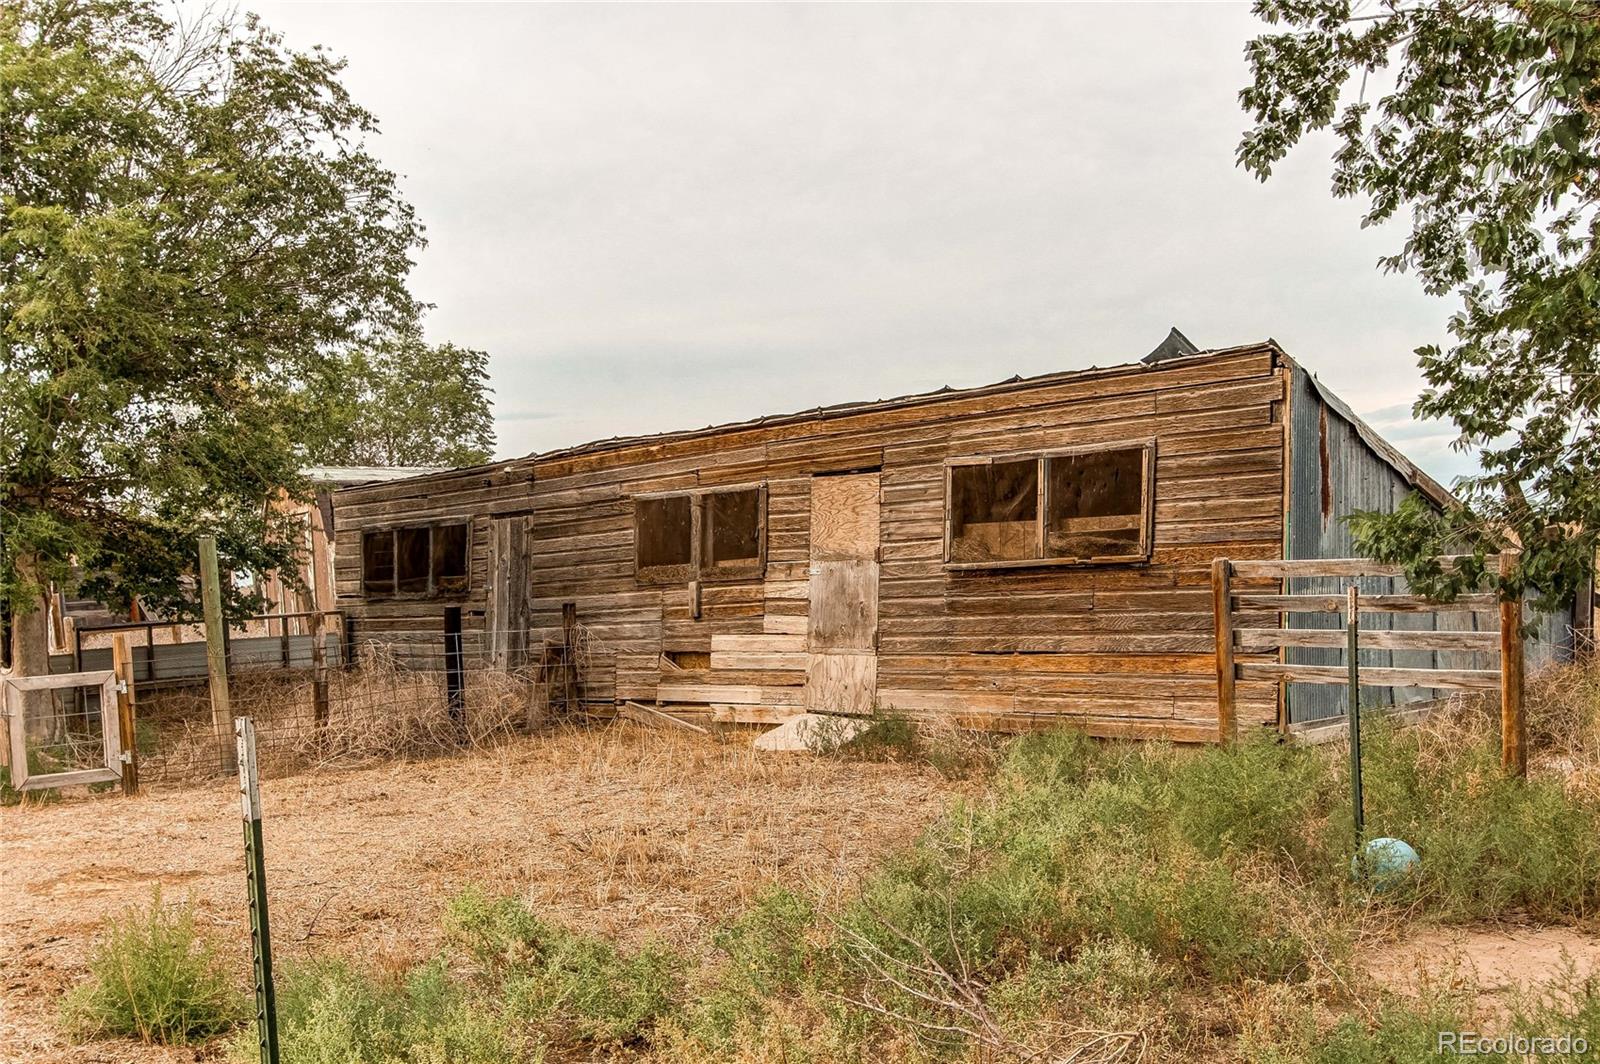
{"x": 1024, "y": 553}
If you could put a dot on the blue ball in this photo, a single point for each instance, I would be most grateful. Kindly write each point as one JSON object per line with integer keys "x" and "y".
{"x": 1384, "y": 862}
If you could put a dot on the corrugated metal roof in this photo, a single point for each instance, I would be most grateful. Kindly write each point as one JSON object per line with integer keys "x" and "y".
{"x": 346, "y": 476}
{"x": 1385, "y": 450}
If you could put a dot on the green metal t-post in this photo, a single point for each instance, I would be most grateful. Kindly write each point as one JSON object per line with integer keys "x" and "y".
{"x": 255, "y": 867}
{"x": 1353, "y": 652}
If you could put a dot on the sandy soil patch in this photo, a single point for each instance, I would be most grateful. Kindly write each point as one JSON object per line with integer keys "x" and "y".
{"x": 1486, "y": 962}
{"x": 623, "y": 831}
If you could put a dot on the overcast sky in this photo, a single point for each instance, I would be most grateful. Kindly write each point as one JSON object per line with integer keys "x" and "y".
{"x": 661, "y": 217}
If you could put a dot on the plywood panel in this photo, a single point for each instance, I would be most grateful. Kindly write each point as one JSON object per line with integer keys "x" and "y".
{"x": 844, "y": 606}
{"x": 842, "y": 629}
{"x": 844, "y": 516}
{"x": 841, "y": 682}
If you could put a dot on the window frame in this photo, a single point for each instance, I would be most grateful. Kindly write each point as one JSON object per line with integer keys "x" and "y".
{"x": 460, "y": 587}
{"x": 697, "y": 568}
{"x": 1147, "y": 496}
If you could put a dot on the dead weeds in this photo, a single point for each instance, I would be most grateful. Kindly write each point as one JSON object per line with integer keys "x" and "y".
{"x": 621, "y": 831}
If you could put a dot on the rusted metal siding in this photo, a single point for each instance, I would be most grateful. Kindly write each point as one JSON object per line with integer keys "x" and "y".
{"x": 1336, "y": 470}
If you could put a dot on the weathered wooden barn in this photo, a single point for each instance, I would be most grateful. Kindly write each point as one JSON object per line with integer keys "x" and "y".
{"x": 1008, "y": 555}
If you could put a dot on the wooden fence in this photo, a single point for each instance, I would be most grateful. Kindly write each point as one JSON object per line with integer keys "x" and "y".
{"x": 1243, "y": 653}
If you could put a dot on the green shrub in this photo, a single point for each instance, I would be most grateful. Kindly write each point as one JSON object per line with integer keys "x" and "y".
{"x": 1194, "y": 913}
{"x": 152, "y": 976}
{"x": 1050, "y": 760}
{"x": 11, "y": 796}
{"x": 1085, "y": 851}
{"x": 1490, "y": 845}
{"x": 328, "y": 1013}
{"x": 890, "y": 736}
{"x": 580, "y": 986}
{"x": 1258, "y": 797}
{"x": 764, "y": 954}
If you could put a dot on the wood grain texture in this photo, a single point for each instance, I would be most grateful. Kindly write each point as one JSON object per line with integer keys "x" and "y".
{"x": 1116, "y": 649}
{"x": 842, "y": 682}
{"x": 1451, "y": 679}
{"x": 844, "y": 517}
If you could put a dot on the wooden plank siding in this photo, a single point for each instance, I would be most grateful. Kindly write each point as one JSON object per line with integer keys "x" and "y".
{"x": 1118, "y": 649}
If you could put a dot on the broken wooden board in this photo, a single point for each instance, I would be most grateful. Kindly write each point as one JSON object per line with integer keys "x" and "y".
{"x": 651, "y": 717}
{"x": 736, "y": 714}
{"x": 811, "y": 732}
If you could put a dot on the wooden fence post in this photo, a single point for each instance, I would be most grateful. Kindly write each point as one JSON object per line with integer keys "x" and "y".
{"x": 319, "y": 671}
{"x": 1222, "y": 615}
{"x": 1513, "y": 722}
{"x": 122, "y": 663}
{"x": 216, "y": 653}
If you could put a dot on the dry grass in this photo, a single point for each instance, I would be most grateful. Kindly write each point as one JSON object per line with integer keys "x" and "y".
{"x": 1562, "y": 704}
{"x": 1564, "y": 724}
{"x": 377, "y": 711}
{"x": 620, "y": 831}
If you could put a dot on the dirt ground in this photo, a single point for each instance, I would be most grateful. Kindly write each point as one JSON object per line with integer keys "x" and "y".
{"x": 1487, "y": 963}
{"x": 620, "y": 830}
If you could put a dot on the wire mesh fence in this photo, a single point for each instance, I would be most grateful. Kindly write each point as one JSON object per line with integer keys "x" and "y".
{"x": 362, "y": 703}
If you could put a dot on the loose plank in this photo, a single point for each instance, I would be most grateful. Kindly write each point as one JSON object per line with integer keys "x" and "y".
{"x": 1451, "y": 679}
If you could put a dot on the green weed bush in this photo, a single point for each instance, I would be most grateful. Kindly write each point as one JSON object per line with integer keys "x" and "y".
{"x": 1132, "y": 888}
{"x": 556, "y": 979}
{"x": 330, "y": 1013}
{"x": 763, "y": 954}
{"x": 890, "y": 736}
{"x": 1405, "y": 1029}
{"x": 1491, "y": 846}
{"x": 154, "y": 977}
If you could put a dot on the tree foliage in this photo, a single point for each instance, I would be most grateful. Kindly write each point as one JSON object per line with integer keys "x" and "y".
{"x": 1488, "y": 133}
{"x": 403, "y": 402}
{"x": 200, "y": 263}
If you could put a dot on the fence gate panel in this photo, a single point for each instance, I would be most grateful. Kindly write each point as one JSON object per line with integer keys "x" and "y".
{"x": 22, "y": 693}
{"x": 1235, "y": 636}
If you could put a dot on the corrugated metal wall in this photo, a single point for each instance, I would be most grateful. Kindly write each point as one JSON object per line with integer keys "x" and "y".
{"x": 1334, "y": 472}
{"x": 183, "y": 661}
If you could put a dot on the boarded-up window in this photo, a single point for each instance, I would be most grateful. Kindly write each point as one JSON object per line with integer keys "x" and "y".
{"x": 713, "y": 534}
{"x": 994, "y": 511}
{"x": 664, "y": 532}
{"x": 1096, "y": 507}
{"x": 1094, "y": 504}
{"x": 377, "y": 561}
{"x": 450, "y": 557}
{"x": 732, "y": 531}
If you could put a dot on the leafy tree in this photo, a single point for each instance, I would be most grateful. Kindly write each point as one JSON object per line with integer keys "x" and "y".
{"x": 403, "y": 402}
{"x": 1488, "y": 134}
{"x": 196, "y": 252}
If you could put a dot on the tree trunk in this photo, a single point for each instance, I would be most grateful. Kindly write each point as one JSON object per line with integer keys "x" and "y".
{"x": 30, "y": 656}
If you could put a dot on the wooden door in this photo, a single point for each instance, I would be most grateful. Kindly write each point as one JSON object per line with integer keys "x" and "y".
{"x": 507, "y": 614}
{"x": 842, "y": 626}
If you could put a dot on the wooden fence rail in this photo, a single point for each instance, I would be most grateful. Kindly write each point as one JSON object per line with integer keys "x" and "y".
{"x": 1231, "y": 639}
